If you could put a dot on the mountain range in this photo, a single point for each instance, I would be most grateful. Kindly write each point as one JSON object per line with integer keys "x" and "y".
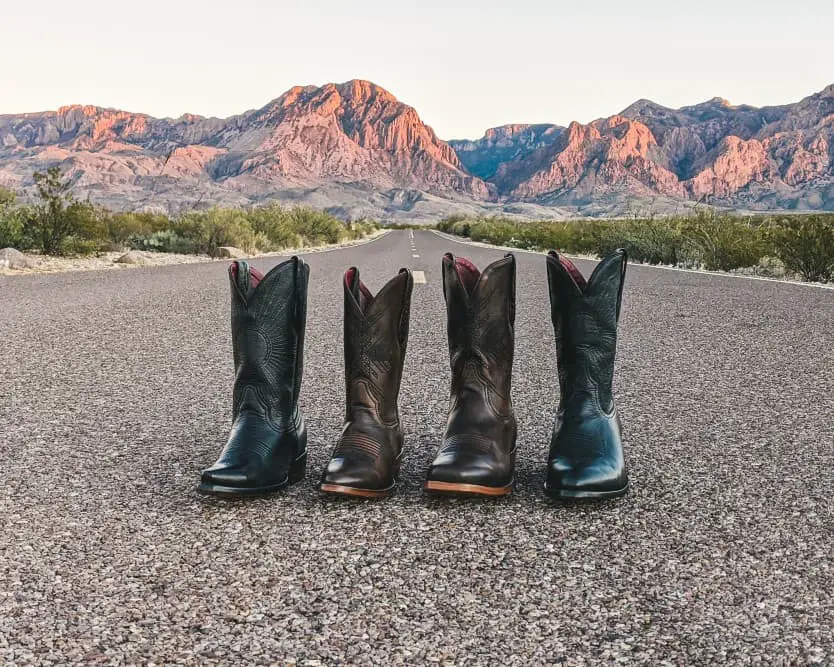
{"x": 355, "y": 150}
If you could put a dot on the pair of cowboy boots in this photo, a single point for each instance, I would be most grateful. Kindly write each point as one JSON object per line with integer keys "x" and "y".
{"x": 266, "y": 450}
{"x": 478, "y": 451}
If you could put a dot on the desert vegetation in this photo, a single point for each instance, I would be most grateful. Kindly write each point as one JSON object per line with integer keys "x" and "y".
{"x": 57, "y": 224}
{"x": 780, "y": 245}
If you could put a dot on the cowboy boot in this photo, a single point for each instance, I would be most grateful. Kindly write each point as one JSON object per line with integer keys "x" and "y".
{"x": 477, "y": 455}
{"x": 366, "y": 459}
{"x": 267, "y": 446}
{"x": 586, "y": 451}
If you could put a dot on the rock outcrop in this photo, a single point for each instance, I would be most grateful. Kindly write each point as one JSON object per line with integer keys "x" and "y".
{"x": 14, "y": 259}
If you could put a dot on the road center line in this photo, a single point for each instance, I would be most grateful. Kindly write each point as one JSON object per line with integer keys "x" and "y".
{"x": 419, "y": 277}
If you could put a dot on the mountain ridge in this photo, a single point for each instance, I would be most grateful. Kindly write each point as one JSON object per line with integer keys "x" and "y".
{"x": 355, "y": 149}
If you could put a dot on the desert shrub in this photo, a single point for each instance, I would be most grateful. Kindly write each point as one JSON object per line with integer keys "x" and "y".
{"x": 272, "y": 222}
{"x": 543, "y": 236}
{"x": 455, "y": 224}
{"x": 716, "y": 242}
{"x": 316, "y": 227}
{"x": 495, "y": 230}
{"x": 207, "y": 231}
{"x": 359, "y": 229}
{"x": 402, "y": 225}
{"x": 11, "y": 220}
{"x": 58, "y": 224}
{"x": 805, "y": 245}
{"x": 167, "y": 240}
{"x": 651, "y": 241}
{"x": 299, "y": 226}
{"x": 130, "y": 229}
{"x": 725, "y": 243}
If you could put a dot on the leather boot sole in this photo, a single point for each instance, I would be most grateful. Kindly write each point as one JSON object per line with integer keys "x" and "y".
{"x": 574, "y": 494}
{"x": 356, "y": 492}
{"x": 458, "y": 489}
{"x": 297, "y": 471}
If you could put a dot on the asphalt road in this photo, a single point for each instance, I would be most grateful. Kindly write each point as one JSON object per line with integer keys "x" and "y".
{"x": 115, "y": 393}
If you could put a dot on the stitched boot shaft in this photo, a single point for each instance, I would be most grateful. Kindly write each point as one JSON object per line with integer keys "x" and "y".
{"x": 586, "y": 455}
{"x": 366, "y": 460}
{"x": 267, "y": 446}
{"x": 477, "y": 454}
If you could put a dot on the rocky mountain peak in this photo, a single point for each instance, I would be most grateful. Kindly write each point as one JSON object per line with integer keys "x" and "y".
{"x": 356, "y": 137}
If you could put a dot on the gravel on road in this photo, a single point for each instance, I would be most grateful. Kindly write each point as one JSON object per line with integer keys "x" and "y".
{"x": 115, "y": 392}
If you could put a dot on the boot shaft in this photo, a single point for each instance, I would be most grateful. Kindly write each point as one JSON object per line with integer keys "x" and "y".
{"x": 269, "y": 316}
{"x": 585, "y": 316}
{"x": 480, "y": 309}
{"x": 375, "y": 341}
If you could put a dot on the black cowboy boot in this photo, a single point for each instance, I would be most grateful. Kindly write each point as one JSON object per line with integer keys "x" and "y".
{"x": 477, "y": 456}
{"x": 586, "y": 451}
{"x": 366, "y": 460}
{"x": 267, "y": 447}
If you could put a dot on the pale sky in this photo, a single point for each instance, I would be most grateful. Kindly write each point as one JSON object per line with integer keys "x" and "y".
{"x": 465, "y": 65}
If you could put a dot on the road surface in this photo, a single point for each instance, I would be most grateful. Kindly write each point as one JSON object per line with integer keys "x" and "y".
{"x": 116, "y": 391}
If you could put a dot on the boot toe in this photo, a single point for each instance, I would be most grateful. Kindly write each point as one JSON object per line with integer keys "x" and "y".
{"x": 226, "y": 481}
{"x": 350, "y": 476}
{"x": 468, "y": 474}
{"x": 461, "y": 472}
{"x": 226, "y": 477}
{"x": 596, "y": 480}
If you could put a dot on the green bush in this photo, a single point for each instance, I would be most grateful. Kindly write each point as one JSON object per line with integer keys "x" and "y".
{"x": 51, "y": 224}
{"x": 11, "y": 220}
{"x": 800, "y": 244}
{"x": 129, "y": 230}
{"x": 272, "y": 222}
{"x": 316, "y": 227}
{"x": 58, "y": 224}
{"x": 725, "y": 243}
{"x": 805, "y": 245}
{"x": 167, "y": 240}
{"x": 207, "y": 231}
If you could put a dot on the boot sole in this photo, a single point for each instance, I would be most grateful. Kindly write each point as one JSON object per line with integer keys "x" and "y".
{"x": 457, "y": 489}
{"x": 298, "y": 470}
{"x": 356, "y": 492}
{"x": 572, "y": 494}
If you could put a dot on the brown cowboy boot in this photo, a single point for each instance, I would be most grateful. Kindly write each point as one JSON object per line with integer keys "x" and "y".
{"x": 477, "y": 456}
{"x": 366, "y": 460}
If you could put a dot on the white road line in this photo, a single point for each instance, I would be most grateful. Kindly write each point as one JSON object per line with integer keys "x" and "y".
{"x": 717, "y": 274}
{"x": 419, "y": 277}
{"x": 415, "y": 256}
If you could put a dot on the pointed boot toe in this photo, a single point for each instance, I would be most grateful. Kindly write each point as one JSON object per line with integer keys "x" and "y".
{"x": 267, "y": 446}
{"x": 228, "y": 482}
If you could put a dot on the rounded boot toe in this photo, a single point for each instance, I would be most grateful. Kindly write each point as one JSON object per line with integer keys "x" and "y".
{"x": 466, "y": 475}
{"x": 593, "y": 481}
{"x": 346, "y": 476}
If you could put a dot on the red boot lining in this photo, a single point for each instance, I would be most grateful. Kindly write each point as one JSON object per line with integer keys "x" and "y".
{"x": 467, "y": 272}
{"x": 577, "y": 276}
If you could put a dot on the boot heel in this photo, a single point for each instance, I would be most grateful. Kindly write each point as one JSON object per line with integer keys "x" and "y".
{"x": 298, "y": 469}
